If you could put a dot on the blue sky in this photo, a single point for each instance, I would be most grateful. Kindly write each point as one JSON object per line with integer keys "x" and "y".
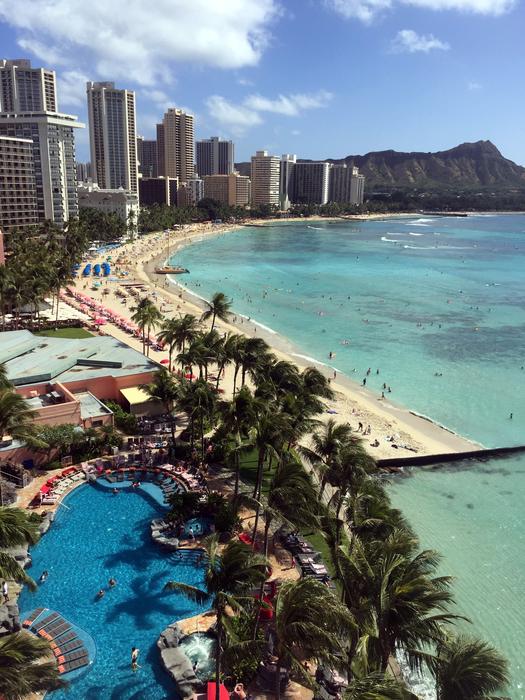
{"x": 320, "y": 78}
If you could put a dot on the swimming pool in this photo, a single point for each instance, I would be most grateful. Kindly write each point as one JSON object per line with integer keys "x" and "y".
{"x": 97, "y": 536}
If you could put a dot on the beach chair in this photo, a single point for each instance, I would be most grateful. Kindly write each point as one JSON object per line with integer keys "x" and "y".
{"x": 72, "y": 656}
{"x": 32, "y": 617}
{"x": 64, "y": 648}
{"x": 64, "y": 639}
{"x": 72, "y": 665}
{"x": 46, "y": 621}
{"x": 54, "y": 630}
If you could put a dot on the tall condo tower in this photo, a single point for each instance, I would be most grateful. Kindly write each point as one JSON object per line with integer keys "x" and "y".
{"x": 214, "y": 157}
{"x": 26, "y": 89}
{"x": 265, "y": 178}
{"x": 147, "y": 156}
{"x": 53, "y": 145}
{"x": 112, "y": 136}
{"x": 288, "y": 162}
{"x": 176, "y": 145}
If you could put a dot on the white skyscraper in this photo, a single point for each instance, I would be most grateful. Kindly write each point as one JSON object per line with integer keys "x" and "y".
{"x": 288, "y": 162}
{"x": 265, "y": 179}
{"x": 26, "y": 89}
{"x": 53, "y": 140}
{"x": 112, "y": 136}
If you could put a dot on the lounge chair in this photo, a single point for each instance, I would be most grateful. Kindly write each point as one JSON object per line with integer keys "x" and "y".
{"x": 72, "y": 656}
{"x": 55, "y": 630}
{"x": 72, "y": 645}
{"x": 64, "y": 639}
{"x": 72, "y": 665}
{"x": 46, "y": 621}
{"x": 29, "y": 620}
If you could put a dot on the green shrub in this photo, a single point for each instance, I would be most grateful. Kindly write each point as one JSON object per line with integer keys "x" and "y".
{"x": 124, "y": 421}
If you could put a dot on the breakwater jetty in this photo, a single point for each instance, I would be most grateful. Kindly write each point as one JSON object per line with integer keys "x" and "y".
{"x": 395, "y": 463}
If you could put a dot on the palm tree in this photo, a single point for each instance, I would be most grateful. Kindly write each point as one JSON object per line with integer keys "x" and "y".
{"x": 16, "y": 528}
{"x": 326, "y": 446}
{"x": 169, "y": 335}
{"x": 187, "y": 331}
{"x": 25, "y": 667}
{"x": 466, "y": 668}
{"x": 16, "y": 418}
{"x": 4, "y": 381}
{"x": 152, "y": 318}
{"x": 309, "y": 623}
{"x": 253, "y": 352}
{"x": 204, "y": 402}
{"x": 377, "y": 686}
{"x": 164, "y": 389}
{"x": 5, "y": 290}
{"x": 229, "y": 577}
{"x": 346, "y": 473}
{"x": 291, "y": 497}
{"x": 237, "y": 417}
{"x": 395, "y": 598}
{"x": 218, "y": 307}
{"x": 267, "y": 436}
{"x": 140, "y": 318}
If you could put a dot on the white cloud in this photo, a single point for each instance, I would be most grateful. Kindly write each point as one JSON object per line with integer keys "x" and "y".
{"x": 241, "y": 116}
{"x": 479, "y": 7}
{"x": 71, "y": 88}
{"x": 289, "y": 105}
{"x": 235, "y": 117}
{"x": 409, "y": 41}
{"x": 295, "y": 132}
{"x": 367, "y": 10}
{"x": 138, "y": 40}
{"x": 50, "y": 55}
{"x": 244, "y": 81}
{"x": 472, "y": 86}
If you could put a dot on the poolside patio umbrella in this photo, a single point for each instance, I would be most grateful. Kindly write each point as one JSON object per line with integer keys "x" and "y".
{"x": 165, "y": 361}
{"x": 100, "y": 321}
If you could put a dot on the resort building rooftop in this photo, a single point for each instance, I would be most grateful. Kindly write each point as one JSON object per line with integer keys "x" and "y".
{"x": 30, "y": 359}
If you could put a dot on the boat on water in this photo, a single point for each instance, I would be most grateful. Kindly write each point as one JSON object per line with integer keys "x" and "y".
{"x": 170, "y": 270}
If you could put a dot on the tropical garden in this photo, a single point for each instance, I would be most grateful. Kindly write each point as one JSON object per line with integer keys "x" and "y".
{"x": 295, "y": 473}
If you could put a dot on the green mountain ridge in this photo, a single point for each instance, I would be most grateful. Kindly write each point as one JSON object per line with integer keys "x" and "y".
{"x": 464, "y": 167}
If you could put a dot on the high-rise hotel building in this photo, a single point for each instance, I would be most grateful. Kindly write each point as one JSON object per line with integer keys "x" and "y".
{"x": 26, "y": 89}
{"x": 18, "y": 205}
{"x": 265, "y": 179}
{"x": 214, "y": 157}
{"x": 29, "y": 113}
{"x": 112, "y": 136}
{"x": 347, "y": 186}
{"x": 176, "y": 145}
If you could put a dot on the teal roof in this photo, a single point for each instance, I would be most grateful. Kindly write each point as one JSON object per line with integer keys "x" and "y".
{"x": 30, "y": 359}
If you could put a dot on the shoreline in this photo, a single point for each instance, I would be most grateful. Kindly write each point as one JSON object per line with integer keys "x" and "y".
{"x": 352, "y": 403}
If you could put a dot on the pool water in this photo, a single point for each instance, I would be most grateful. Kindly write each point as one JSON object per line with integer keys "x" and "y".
{"x": 97, "y": 536}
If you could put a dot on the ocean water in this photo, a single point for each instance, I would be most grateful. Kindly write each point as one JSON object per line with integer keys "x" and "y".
{"x": 438, "y": 306}
{"x": 95, "y": 536}
{"x": 414, "y": 299}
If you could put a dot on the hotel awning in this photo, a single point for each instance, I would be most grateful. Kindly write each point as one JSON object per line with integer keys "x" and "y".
{"x": 140, "y": 403}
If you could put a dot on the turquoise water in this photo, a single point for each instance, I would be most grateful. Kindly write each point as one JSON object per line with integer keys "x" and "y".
{"x": 97, "y": 536}
{"x": 413, "y": 298}
{"x": 473, "y": 514}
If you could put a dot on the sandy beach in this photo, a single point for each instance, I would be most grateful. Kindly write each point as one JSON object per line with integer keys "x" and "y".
{"x": 353, "y": 403}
